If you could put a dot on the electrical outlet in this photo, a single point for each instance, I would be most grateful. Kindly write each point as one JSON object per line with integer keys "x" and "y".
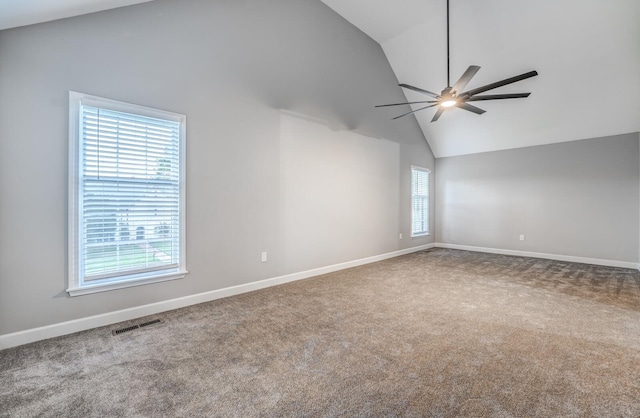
{"x": 522, "y": 237}
{"x": 263, "y": 256}
{"x": 400, "y": 236}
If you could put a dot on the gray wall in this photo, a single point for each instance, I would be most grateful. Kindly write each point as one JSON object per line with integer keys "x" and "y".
{"x": 230, "y": 66}
{"x": 339, "y": 194}
{"x": 576, "y": 198}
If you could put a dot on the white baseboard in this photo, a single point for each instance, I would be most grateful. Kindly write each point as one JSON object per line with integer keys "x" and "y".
{"x": 569, "y": 258}
{"x": 82, "y": 324}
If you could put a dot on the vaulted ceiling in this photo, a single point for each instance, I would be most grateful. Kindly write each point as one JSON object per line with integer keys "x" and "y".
{"x": 586, "y": 51}
{"x": 14, "y": 13}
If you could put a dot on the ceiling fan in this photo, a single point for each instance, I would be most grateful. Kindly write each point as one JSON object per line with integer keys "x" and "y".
{"x": 455, "y": 96}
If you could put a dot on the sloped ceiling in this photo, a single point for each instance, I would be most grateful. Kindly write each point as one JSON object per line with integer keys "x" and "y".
{"x": 14, "y": 13}
{"x": 586, "y": 51}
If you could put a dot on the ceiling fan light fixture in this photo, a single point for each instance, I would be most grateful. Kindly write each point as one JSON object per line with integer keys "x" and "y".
{"x": 449, "y": 103}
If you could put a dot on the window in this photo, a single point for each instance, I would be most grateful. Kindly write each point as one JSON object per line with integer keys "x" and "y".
{"x": 126, "y": 195}
{"x": 419, "y": 201}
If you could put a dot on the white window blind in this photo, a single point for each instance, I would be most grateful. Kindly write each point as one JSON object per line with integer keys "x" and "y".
{"x": 419, "y": 201}
{"x": 129, "y": 202}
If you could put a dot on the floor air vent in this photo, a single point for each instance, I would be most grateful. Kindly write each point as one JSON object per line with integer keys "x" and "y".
{"x": 146, "y": 324}
{"x": 137, "y": 326}
{"x": 123, "y": 330}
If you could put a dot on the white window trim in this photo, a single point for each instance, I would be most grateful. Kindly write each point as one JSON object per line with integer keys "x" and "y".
{"x": 422, "y": 234}
{"x": 75, "y": 285}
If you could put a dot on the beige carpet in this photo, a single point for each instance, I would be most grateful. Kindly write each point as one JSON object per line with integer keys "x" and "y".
{"x": 437, "y": 333}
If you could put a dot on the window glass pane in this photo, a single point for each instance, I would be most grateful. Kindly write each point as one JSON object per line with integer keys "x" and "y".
{"x": 419, "y": 201}
{"x": 130, "y": 194}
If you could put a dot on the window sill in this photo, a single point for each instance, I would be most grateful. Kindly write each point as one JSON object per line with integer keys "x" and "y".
{"x": 105, "y": 287}
{"x": 426, "y": 234}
